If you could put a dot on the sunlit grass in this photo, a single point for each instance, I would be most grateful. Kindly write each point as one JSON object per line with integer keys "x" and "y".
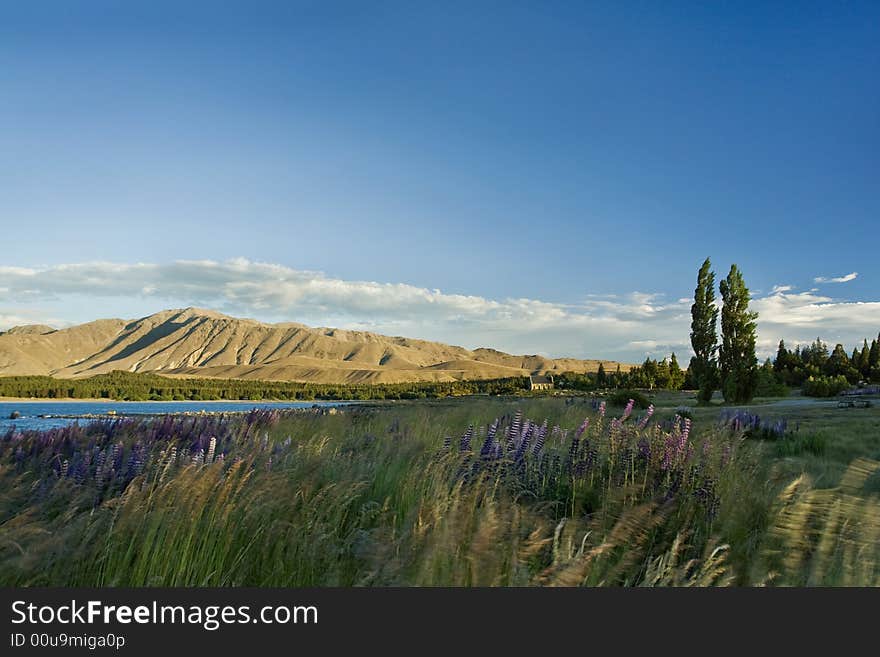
{"x": 371, "y": 497}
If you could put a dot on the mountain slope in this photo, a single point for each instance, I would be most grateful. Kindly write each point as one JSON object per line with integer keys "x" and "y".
{"x": 195, "y": 342}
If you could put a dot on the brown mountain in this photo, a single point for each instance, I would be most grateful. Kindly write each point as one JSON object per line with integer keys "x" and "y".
{"x": 195, "y": 342}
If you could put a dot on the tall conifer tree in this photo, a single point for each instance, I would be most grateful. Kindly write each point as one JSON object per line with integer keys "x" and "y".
{"x": 864, "y": 364}
{"x": 676, "y": 376}
{"x": 736, "y": 356}
{"x": 704, "y": 339}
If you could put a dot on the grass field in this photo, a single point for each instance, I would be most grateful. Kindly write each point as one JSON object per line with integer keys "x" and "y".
{"x": 407, "y": 494}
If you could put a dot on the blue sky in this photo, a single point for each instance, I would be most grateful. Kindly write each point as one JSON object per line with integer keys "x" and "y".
{"x": 563, "y": 166}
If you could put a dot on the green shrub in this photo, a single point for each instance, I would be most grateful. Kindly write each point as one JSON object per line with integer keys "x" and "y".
{"x": 825, "y": 386}
{"x": 770, "y": 387}
{"x": 622, "y": 397}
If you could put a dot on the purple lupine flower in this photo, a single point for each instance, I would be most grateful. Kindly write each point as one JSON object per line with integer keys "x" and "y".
{"x": 514, "y": 428}
{"x": 573, "y": 449}
{"x": 488, "y": 447}
{"x": 513, "y": 432}
{"x": 644, "y": 421}
{"x": 139, "y": 459}
{"x": 540, "y": 438}
{"x": 668, "y": 451}
{"x": 602, "y": 409}
{"x": 464, "y": 445}
{"x": 683, "y": 437}
{"x": 581, "y": 429}
{"x": 527, "y": 430}
{"x": 116, "y": 456}
{"x": 592, "y": 454}
{"x": 523, "y": 446}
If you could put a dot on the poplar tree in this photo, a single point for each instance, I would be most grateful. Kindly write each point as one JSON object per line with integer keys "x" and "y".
{"x": 704, "y": 339}
{"x": 736, "y": 356}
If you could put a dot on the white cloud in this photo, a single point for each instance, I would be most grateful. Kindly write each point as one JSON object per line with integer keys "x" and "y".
{"x": 625, "y": 327}
{"x": 838, "y": 279}
{"x": 26, "y": 316}
{"x": 7, "y": 321}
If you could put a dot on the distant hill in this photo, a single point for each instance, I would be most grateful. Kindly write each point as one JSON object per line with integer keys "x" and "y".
{"x": 37, "y": 329}
{"x": 202, "y": 343}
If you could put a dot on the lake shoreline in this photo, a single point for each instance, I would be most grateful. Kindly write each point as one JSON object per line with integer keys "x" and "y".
{"x": 108, "y": 400}
{"x": 32, "y": 414}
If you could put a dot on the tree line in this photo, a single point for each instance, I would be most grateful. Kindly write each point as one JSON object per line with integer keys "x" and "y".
{"x": 130, "y": 386}
{"x": 822, "y": 373}
{"x": 664, "y": 374}
{"x": 729, "y": 362}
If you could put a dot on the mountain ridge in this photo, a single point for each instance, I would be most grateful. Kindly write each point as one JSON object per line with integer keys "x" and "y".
{"x": 196, "y": 342}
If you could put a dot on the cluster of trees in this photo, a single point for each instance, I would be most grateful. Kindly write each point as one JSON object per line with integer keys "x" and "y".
{"x": 152, "y": 387}
{"x": 652, "y": 374}
{"x": 665, "y": 374}
{"x": 795, "y": 367}
{"x": 820, "y": 372}
{"x": 731, "y": 364}
{"x": 823, "y": 373}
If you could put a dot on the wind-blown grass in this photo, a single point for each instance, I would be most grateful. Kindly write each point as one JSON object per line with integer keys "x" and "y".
{"x": 394, "y": 497}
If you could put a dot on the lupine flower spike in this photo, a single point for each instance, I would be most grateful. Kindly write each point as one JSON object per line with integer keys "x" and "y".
{"x": 644, "y": 421}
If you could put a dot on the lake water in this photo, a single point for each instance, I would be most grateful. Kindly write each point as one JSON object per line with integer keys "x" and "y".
{"x": 46, "y": 415}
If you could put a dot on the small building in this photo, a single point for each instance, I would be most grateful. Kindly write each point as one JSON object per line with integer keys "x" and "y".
{"x": 540, "y": 382}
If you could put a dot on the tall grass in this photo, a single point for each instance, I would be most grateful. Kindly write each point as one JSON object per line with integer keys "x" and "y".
{"x": 463, "y": 494}
{"x": 826, "y": 536}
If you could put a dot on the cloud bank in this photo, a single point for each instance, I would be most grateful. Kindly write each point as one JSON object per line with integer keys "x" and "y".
{"x": 626, "y": 327}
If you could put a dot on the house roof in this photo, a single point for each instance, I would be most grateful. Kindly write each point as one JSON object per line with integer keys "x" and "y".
{"x": 538, "y": 378}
